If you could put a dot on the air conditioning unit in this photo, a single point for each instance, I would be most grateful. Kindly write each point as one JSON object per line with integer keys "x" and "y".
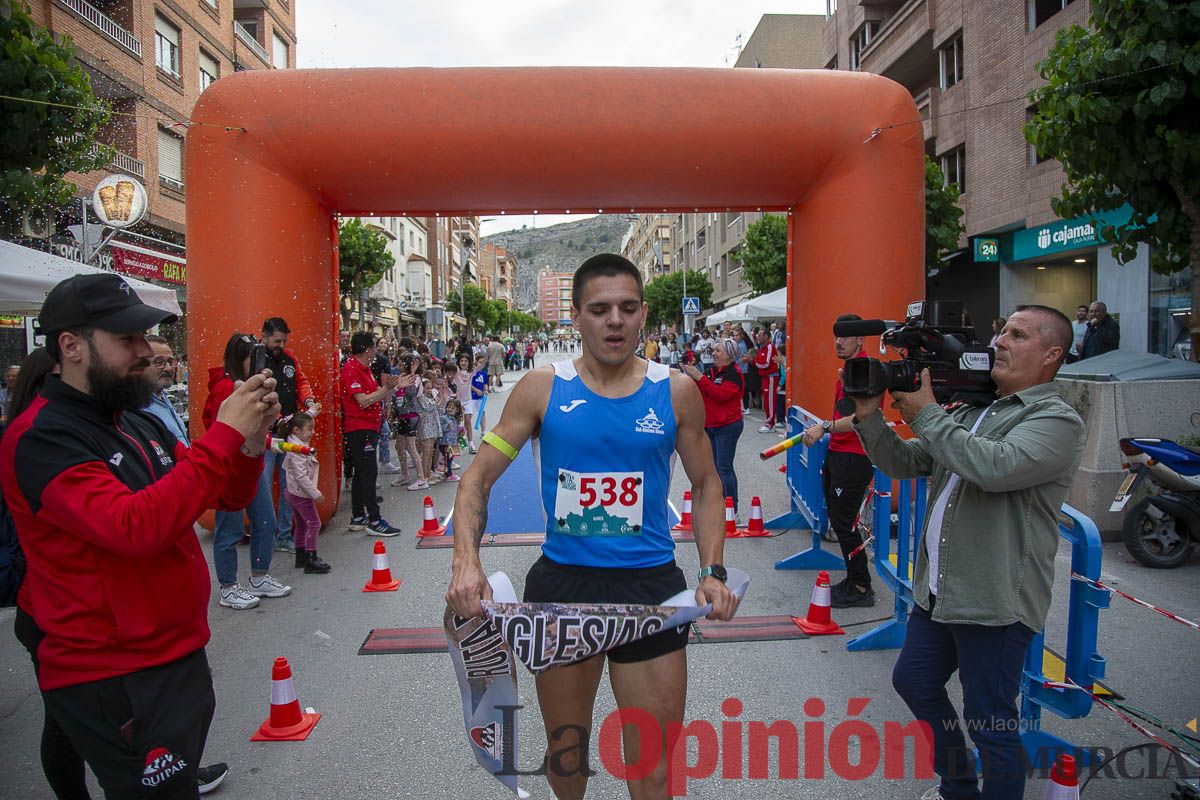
{"x": 38, "y": 224}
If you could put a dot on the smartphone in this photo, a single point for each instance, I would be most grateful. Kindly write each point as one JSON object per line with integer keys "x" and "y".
{"x": 258, "y": 359}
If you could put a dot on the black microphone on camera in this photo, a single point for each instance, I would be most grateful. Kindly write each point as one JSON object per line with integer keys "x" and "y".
{"x": 861, "y": 327}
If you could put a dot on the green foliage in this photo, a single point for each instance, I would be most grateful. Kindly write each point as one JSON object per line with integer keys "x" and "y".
{"x": 763, "y": 254}
{"x": 495, "y": 316}
{"x": 41, "y": 143}
{"x": 943, "y": 217}
{"x": 664, "y": 295}
{"x": 1119, "y": 111}
{"x": 479, "y": 310}
{"x": 362, "y": 254}
{"x": 526, "y": 323}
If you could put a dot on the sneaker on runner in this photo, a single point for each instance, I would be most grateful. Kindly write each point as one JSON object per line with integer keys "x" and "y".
{"x": 412, "y": 487}
{"x": 766, "y": 429}
{"x": 266, "y": 586}
{"x": 381, "y": 527}
{"x": 237, "y": 598}
{"x": 210, "y": 777}
{"x": 359, "y": 523}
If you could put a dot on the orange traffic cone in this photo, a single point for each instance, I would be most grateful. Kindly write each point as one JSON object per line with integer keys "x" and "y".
{"x": 685, "y": 520}
{"x": 1064, "y": 780}
{"x": 731, "y": 531}
{"x": 430, "y": 526}
{"x": 287, "y": 723}
{"x": 381, "y": 573}
{"x": 819, "y": 622}
{"x": 754, "y": 527}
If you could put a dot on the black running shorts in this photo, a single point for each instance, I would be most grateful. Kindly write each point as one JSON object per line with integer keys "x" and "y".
{"x": 551, "y": 582}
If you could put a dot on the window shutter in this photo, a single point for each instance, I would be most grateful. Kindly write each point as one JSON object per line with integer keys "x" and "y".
{"x": 209, "y": 64}
{"x": 170, "y": 156}
{"x": 279, "y": 58}
{"x": 166, "y": 30}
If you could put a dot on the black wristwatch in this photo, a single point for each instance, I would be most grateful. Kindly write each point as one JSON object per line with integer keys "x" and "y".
{"x": 716, "y": 570}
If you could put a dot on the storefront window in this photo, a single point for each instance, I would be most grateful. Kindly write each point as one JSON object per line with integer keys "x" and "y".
{"x": 1170, "y": 305}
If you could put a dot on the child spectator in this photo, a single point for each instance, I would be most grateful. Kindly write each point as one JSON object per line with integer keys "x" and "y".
{"x": 429, "y": 428}
{"x": 452, "y": 421}
{"x": 479, "y": 383}
{"x": 303, "y": 495}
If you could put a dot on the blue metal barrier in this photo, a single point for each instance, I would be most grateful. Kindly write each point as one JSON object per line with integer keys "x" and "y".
{"x": 807, "y": 497}
{"x": 897, "y": 577}
{"x": 1084, "y": 664}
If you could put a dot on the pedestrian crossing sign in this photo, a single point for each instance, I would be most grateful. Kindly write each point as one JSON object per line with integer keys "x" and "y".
{"x": 691, "y": 306}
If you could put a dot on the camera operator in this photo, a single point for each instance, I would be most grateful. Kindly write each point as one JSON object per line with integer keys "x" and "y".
{"x": 104, "y": 497}
{"x": 998, "y": 476}
{"x": 845, "y": 477}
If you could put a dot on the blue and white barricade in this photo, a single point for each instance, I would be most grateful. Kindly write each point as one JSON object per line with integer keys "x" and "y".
{"x": 807, "y": 497}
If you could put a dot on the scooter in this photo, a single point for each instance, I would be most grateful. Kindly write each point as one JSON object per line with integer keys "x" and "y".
{"x": 1162, "y": 530}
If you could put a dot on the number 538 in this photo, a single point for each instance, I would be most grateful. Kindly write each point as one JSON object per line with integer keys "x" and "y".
{"x": 605, "y": 489}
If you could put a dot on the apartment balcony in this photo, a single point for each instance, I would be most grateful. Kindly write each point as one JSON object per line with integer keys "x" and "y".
{"x": 902, "y": 49}
{"x": 104, "y": 24}
{"x": 125, "y": 163}
{"x": 247, "y": 38}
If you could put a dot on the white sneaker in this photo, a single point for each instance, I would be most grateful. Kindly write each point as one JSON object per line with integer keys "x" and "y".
{"x": 236, "y": 597}
{"x": 266, "y": 586}
{"x": 389, "y": 468}
{"x": 933, "y": 794}
{"x": 745, "y": 412}
{"x": 766, "y": 429}
{"x": 417, "y": 485}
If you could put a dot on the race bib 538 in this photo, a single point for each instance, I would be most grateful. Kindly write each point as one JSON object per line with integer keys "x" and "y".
{"x": 599, "y": 503}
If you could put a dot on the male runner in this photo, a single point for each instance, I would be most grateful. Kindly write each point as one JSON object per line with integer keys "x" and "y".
{"x": 608, "y": 425}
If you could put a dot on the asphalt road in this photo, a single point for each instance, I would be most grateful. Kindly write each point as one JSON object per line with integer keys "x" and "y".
{"x": 392, "y": 727}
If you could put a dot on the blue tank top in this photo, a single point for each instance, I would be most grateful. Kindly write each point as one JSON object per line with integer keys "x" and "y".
{"x": 605, "y": 467}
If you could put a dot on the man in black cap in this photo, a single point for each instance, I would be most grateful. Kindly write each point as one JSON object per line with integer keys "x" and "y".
{"x": 104, "y": 501}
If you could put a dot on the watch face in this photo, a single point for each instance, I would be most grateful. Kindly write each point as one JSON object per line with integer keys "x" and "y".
{"x": 719, "y": 572}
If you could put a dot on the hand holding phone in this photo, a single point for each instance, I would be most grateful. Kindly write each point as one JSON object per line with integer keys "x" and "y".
{"x": 258, "y": 358}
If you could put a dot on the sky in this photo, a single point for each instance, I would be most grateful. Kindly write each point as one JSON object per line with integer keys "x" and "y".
{"x": 503, "y": 33}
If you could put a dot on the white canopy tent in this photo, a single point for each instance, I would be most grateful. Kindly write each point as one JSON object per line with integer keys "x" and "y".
{"x": 738, "y": 313}
{"x": 27, "y": 276}
{"x": 772, "y": 305}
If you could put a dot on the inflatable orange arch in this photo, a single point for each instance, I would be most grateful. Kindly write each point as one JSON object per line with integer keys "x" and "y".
{"x": 280, "y": 154}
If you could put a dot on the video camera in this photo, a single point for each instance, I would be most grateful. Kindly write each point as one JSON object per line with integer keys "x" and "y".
{"x": 959, "y": 365}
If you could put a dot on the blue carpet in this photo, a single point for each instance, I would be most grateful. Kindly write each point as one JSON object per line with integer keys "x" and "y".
{"x": 515, "y": 505}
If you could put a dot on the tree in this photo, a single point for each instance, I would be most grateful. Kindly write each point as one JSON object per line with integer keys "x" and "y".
{"x": 496, "y": 316}
{"x": 943, "y": 216}
{"x": 763, "y": 254}
{"x": 41, "y": 143}
{"x": 477, "y": 308}
{"x": 363, "y": 259}
{"x": 1119, "y": 111}
{"x": 664, "y": 295}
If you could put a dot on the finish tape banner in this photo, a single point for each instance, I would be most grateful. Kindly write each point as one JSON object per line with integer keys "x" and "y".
{"x": 542, "y": 636}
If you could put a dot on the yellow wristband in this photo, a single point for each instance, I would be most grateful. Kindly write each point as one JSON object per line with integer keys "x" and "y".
{"x": 501, "y": 445}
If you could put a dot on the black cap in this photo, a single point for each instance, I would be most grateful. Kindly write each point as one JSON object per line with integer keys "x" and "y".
{"x": 101, "y": 300}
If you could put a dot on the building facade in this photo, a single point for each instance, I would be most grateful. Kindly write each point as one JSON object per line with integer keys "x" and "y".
{"x": 151, "y": 60}
{"x": 970, "y": 67}
{"x": 449, "y": 239}
{"x": 396, "y": 304}
{"x": 498, "y": 266}
{"x": 554, "y": 297}
{"x": 647, "y": 244}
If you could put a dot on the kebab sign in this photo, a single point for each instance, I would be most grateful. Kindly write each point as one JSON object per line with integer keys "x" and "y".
{"x": 119, "y": 201}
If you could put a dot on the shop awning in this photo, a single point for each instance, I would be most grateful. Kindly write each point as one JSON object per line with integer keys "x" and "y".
{"x": 27, "y": 276}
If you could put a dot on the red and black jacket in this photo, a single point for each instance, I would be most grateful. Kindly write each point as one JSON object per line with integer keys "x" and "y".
{"x": 104, "y": 506}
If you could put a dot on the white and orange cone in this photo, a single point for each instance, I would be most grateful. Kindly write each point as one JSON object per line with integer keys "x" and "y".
{"x": 819, "y": 621}
{"x": 286, "y": 723}
{"x": 1064, "y": 780}
{"x": 381, "y": 573}
{"x": 754, "y": 526}
{"x": 731, "y": 531}
{"x": 430, "y": 526}
{"x": 685, "y": 518}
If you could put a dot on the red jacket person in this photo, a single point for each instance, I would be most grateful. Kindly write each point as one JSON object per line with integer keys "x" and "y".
{"x": 104, "y": 499}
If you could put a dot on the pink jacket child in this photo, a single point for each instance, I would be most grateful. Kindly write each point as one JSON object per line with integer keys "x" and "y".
{"x": 302, "y": 494}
